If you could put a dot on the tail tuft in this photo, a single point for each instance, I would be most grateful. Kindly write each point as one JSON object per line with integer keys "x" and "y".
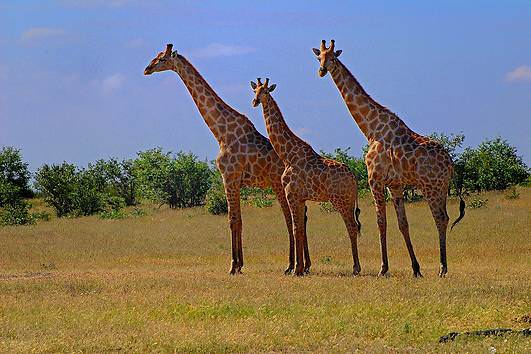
{"x": 461, "y": 212}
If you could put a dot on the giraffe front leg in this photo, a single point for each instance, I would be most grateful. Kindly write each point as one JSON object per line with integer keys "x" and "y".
{"x": 232, "y": 192}
{"x": 378, "y": 192}
{"x": 398, "y": 202}
{"x": 281, "y": 196}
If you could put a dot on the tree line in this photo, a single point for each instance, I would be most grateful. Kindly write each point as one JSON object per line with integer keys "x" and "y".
{"x": 181, "y": 180}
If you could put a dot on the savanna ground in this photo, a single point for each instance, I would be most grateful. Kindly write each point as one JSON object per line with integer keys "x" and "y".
{"x": 160, "y": 283}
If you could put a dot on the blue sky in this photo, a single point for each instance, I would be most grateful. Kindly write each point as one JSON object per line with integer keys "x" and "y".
{"x": 72, "y": 85}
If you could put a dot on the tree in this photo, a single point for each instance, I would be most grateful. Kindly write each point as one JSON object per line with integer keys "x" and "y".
{"x": 355, "y": 165}
{"x": 180, "y": 181}
{"x": 57, "y": 184}
{"x": 493, "y": 165}
{"x": 14, "y": 175}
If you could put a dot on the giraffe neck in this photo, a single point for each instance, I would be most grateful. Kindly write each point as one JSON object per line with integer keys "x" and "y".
{"x": 288, "y": 146}
{"x": 374, "y": 120}
{"x": 216, "y": 113}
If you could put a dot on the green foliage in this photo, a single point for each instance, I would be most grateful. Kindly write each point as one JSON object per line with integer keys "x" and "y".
{"x": 493, "y": 165}
{"x": 57, "y": 184}
{"x": 326, "y": 207}
{"x": 355, "y": 165}
{"x": 118, "y": 178}
{"x": 451, "y": 143}
{"x": 216, "y": 201}
{"x": 258, "y": 197}
{"x": 477, "y": 203}
{"x": 513, "y": 194}
{"x": 14, "y": 176}
{"x": 16, "y": 214}
{"x": 181, "y": 181}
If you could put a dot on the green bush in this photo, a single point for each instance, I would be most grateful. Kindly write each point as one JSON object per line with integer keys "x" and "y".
{"x": 477, "y": 203}
{"x": 181, "y": 180}
{"x": 493, "y": 165}
{"x": 71, "y": 191}
{"x": 16, "y": 214}
{"x": 216, "y": 201}
{"x": 118, "y": 178}
{"x": 57, "y": 184}
{"x": 14, "y": 176}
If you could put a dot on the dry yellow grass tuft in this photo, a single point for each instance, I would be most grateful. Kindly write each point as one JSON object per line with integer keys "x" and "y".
{"x": 160, "y": 283}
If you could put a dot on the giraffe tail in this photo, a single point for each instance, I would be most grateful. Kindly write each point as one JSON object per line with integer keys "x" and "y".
{"x": 357, "y": 212}
{"x": 461, "y": 212}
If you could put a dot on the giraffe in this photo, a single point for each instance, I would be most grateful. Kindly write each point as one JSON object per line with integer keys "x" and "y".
{"x": 308, "y": 176}
{"x": 397, "y": 156}
{"x": 245, "y": 158}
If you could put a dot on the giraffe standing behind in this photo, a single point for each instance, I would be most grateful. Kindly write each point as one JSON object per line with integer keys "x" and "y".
{"x": 308, "y": 176}
{"x": 397, "y": 157}
{"x": 245, "y": 158}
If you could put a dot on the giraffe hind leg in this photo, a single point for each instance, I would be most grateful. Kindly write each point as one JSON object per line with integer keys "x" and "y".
{"x": 437, "y": 202}
{"x": 398, "y": 202}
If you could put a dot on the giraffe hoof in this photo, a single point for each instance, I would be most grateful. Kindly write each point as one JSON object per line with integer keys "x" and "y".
{"x": 288, "y": 271}
{"x": 356, "y": 272}
{"x": 417, "y": 274}
{"x": 299, "y": 272}
{"x": 383, "y": 272}
{"x": 307, "y": 270}
{"x": 443, "y": 271}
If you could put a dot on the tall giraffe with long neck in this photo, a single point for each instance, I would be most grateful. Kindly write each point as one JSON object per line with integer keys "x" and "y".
{"x": 245, "y": 158}
{"x": 397, "y": 157}
{"x": 308, "y": 176}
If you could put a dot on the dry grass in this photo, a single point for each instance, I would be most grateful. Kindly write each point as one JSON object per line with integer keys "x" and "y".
{"x": 160, "y": 283}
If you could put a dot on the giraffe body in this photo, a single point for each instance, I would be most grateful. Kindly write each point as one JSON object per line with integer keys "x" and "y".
{"x": 397, "y": 157}
{"x": 245, "y": 158}
{"x": 308, "y": 176}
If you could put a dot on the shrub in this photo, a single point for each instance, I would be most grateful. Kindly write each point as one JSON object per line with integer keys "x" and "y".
{"x": 493, "y": 165}
{"x": 513, "y": 194}
{"x": 118, "y": 178}
{"x": 477, "y": 203}
{"x": 16, "y": 214}
{"x": 216, "y": 201}
{"x": 14, "y": 175}
{"x": 326, "y": 207}
{"x": 57, "y": 185}
{"x": 70, "y": 191}
{"x": 180, "y": 181}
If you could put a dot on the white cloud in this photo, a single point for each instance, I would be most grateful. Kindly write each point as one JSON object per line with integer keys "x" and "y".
{"x": 110, "y": 83}
{"x": 521, "y": 73}
{"x": 40, "y": 33}
{"x": 221, "y": 50}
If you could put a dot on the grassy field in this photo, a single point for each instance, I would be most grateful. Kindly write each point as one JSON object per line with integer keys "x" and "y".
{"x": 160, "y": 283}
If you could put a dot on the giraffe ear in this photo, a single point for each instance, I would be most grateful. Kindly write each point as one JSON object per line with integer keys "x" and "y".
{"x": 316, "y": 51}
{"x": 272, "y": 88}
{"x": 338, "y": 53}
{"x": 174, "y": 54}
{"x": 253, "y": 85}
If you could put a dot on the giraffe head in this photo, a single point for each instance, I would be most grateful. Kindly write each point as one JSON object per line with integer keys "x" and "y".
{"x": 261, "y": 91}
{"x": 326, "y": 57}
{"x": 162, "y": 62}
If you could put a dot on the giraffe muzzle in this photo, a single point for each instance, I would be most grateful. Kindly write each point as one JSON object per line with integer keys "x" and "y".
{"x": 255, "y": 102}
{"x": 322, "y": 71}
